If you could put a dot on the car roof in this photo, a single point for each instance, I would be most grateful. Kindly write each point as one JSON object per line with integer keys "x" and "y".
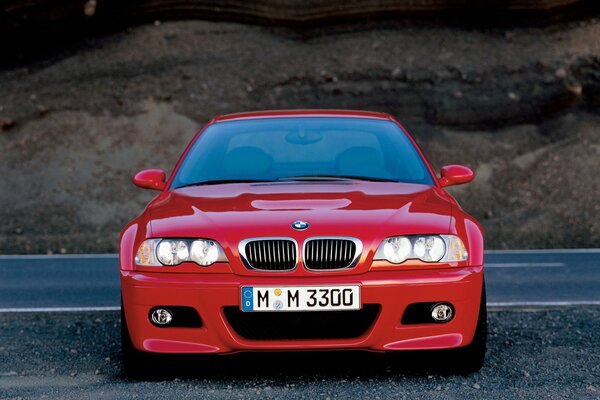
{"x": 302, "y": 113}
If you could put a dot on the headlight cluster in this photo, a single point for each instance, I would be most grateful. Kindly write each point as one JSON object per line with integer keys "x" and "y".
{"x": 157, "y": 252}
{"x": 428, "y": 248}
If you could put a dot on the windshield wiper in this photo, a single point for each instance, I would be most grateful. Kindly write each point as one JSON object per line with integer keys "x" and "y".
{"x": 224, "y": 181}
{"x": 290, "y": 178}
{"x": 334, "y": 178}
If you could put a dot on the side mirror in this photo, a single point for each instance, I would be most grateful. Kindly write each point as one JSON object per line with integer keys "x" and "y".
{"x": 456, "y": 175}
{"x": 150, "y": 179}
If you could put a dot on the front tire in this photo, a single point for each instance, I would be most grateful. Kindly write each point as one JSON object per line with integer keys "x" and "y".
{"x": 470, "y": 359}
{"x": 133, "y": 361}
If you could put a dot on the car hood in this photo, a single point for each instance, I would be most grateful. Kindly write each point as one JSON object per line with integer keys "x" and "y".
{"x": 232, "y": 212}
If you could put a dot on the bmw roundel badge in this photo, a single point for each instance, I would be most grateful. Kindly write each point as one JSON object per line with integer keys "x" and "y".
{"x": 300, "y": 225}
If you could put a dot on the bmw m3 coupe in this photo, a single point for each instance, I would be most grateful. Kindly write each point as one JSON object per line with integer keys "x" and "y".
{"x": 294, "y": 230}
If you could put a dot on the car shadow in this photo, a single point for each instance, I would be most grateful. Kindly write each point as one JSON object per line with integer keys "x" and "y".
{"x": 290, "y": 366}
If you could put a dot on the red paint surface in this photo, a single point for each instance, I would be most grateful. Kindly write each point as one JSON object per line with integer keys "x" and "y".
{"x": 456, "y": 175}
{"x": 150, "y": 179}
{"x": 369, "y": 211}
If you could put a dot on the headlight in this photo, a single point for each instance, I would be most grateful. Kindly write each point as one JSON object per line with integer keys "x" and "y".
{"x": 172, "y": 252}
{"x": 157, "y": 252}
{"x": 396, "y": 249}
{"x": 205, "y": 252}
{"x": 428, "y": 248}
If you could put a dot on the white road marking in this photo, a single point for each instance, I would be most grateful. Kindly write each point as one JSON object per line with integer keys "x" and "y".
{"x": 114, "y": 255}
{"x": 54, "y": 256}
{"x": 56, "y": 309}
{"x": 524, "y": 265}
{"x": 509, "y": 304}
{"x": 504, "y": 304}
{"x": 542, "y": 251}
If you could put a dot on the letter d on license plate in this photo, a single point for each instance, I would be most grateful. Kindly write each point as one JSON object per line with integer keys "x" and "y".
{"x": 300, "y": 298}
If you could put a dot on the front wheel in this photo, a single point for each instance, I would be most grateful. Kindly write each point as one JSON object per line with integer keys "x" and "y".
{"x": 133, "y": 361}
{"x": 469, "y": 359}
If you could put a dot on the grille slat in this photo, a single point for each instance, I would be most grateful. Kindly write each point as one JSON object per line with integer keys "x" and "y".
{"x": 335, "y": 254}
{"x": 268, "y": 257}
{"x": 330, "y": 253}
{"x": 271, "y": 254}
{"x": 257, "y": 250}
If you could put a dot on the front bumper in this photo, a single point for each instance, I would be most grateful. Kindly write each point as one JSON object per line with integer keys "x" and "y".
{"x": 392, "y": 290}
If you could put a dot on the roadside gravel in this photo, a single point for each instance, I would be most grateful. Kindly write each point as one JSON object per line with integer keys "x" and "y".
{"x": 548, "y": 353}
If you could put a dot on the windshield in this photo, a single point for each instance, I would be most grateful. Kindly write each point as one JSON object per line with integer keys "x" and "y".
{"x": 302, "y": 148}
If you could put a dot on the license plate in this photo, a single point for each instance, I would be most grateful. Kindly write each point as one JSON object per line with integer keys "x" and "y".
{"x": 300, "y": 298}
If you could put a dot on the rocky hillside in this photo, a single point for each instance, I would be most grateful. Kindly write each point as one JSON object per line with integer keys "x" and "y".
{"x": 33, "y": 28}
{"x": 519, "y": 105}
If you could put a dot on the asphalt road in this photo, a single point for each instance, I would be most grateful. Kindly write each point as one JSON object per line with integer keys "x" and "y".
{"x": 548, "y": 349}
{"x": 92, "y": 281}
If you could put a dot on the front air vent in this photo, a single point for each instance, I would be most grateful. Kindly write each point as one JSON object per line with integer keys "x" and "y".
{"x": 277, "y": 325}
{"x": 331, "y": 253}
{"x": 269, "y": 254}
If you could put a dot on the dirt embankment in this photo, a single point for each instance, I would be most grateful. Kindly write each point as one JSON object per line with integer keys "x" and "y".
{"x": 28, "y": 21}
{"x": 520, "y": 106}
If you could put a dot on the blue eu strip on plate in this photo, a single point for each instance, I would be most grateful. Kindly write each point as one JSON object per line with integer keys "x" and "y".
{"x": 247, "y": 299}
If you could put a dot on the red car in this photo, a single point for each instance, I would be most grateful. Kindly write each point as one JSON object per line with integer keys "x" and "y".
{"x": 303, "y": 230}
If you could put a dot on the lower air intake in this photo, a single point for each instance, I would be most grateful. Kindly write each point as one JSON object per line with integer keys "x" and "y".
{"x": 302, "y": 325}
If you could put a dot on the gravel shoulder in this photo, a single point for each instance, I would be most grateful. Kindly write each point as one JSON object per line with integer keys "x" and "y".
{"x": 543, "y": 353}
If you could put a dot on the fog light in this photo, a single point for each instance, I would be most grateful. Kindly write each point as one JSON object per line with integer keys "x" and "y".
{"x": 442, "y": 313}
{"x": 161, "y": 317}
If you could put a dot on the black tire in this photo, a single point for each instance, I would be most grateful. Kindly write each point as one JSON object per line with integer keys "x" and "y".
{"x": 470, "y": 359}
{"x": 133, "y": 361}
